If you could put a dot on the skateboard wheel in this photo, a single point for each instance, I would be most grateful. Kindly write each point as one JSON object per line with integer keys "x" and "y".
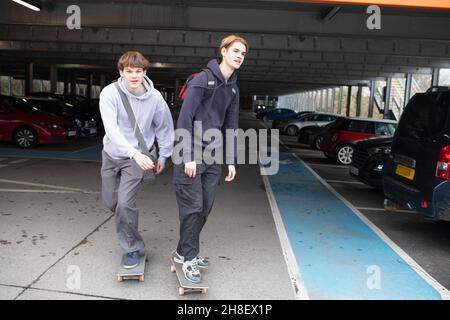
{"x": 119, "y": 278}
{"x": 172, "y": 268}
{"x": 181, "y": 291}
{"x": 141, "y": 278}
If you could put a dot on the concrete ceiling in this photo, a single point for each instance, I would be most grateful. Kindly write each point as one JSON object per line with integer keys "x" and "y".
{"x": 293, "y": 46}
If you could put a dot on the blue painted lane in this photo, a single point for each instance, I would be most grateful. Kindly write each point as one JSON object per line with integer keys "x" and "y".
{"x": 339, "y": 256}
{"x": 92, "y": 153}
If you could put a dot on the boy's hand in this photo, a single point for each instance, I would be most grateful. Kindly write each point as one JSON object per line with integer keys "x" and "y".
{"x": 143, "y": 161}
{"x": 231, "y": 173}
{"x": 190, "y": 169}
{"x": 159, "y": 168}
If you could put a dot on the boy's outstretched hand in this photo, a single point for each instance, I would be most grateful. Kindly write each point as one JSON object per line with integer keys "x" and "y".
{"x": 231, "y": 173}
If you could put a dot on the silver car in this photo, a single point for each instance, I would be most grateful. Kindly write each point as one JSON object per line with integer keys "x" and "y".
{"x": 319, "y": 119}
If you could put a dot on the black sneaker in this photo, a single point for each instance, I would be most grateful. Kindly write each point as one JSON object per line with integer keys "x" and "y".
{"x": 130, "y": 260}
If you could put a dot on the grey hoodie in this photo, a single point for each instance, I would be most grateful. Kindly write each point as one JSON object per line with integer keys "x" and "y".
{"x": 152, "y": 116}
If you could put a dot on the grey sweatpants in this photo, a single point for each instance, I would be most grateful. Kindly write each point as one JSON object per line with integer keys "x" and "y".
{"x": 195, "y": 198}
{"x": 120, "y": 185}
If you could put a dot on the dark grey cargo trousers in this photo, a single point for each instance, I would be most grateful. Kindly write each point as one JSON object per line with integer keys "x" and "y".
{"x": 195, "y": 198}
{"x": 120, "y": 184}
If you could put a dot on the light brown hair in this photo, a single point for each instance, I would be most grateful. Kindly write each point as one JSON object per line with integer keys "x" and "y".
{"x": 228, "y": 41}
{"x": 133, "y": 59}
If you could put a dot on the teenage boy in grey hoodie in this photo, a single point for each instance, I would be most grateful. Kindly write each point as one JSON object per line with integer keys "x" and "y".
{"x": 123, "y": 162}
{"x": 195, "y": 179}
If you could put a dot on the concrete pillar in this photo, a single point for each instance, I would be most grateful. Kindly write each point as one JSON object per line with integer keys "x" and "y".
{"x": 341, "y": 91}
{"x": 66, "y": 82}
{"x": 408, "y": 86}
{"x": 102, "y": 81}
{"x": 333, "y": 96}
{"x": 435, "y": 77}
{"x": 90, "y": 83}
{"x": 358, "y": 101}
{"x": 321, "y": 100}
{"x": 29, "y": 66}
{"x": 53, "y": 78}
{"x": 73, "y": 82}
{"x": 372, "y": 98}
{"x": 349, "y": 100}
{"x": 386, "y": 114}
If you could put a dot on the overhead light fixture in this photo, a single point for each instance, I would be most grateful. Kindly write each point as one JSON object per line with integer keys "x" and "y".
{"x": 33, "y": 7}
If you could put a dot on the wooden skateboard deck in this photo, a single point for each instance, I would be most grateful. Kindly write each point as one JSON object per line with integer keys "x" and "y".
{"x": 185, "y": 285}
{"x": 136, "y": 273}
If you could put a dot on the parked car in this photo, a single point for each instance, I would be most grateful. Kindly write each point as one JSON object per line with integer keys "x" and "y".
{"x": 339, "y": 140}
{"x": 417, "y": 173}
{"x": 313, "y": 135}
{"x": 86, "y": 124}
{"x": 71, "y": 99}
{"x": 369, "y": 157}
{"x": 27, "y": 126}
{"x": 320, "y": 119}
{"x": 273, "y": 114}
{"x": 92, "y": 108}
{"x": 278, "y": 124}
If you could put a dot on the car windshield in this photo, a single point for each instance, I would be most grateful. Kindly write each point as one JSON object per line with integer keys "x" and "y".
{"x": 24, "y": 106}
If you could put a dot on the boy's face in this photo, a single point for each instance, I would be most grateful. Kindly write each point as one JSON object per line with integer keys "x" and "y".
{"x": 133, "y": 77}
{"x": 234, "y": 55}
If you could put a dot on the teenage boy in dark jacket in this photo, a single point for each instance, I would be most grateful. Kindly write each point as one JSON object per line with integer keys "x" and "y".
{"x": 195, "y": 179}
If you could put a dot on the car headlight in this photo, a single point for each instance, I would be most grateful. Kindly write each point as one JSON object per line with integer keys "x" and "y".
{"x": 52, "y": 126}
{"x": 380, "y": 150}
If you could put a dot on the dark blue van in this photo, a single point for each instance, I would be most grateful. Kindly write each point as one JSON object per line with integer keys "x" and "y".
{"x": 417, "y": 173}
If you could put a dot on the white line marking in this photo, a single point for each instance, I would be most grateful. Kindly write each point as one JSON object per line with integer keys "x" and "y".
{"x": 340, "y": 181}
{"x": 47, "y": 186}
{"x": 1, "y": 159}
{"x": 3, "y": 165}
{"x": 42, "y": 191}
{"x": 18, "y": 161}
{"x": 300, "y": 291}
{"x": 52, "y": 158}
{"x": 327, "y": 165}
{"x": 445, "y": 294}
{"x": 87, "y": 148}
{"x": 382, "y": 209}
{"x": 289, "y": 257}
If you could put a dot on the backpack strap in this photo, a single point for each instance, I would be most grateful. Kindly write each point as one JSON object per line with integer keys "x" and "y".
{"x": 210, "y": 82}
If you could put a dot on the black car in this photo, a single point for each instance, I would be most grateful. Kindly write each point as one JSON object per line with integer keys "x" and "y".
{"x": 313, "y": 135}
{"x": 369, "y": 157}
{"x": 417, "y": 174}
{"x": 86, "y": 124}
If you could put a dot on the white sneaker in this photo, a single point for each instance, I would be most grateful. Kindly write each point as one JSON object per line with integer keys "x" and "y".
{"x": 191, "y": 271}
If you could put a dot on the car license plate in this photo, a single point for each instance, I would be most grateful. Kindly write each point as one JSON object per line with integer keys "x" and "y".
{"x": 71, "y": 133}
{"x": 405, "y": 172}
{"x": 93, "y": 130}
{"x": 354, "y": 170}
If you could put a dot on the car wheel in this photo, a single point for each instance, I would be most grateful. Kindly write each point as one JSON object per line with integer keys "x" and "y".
{"x": 292, "y": 130}
{"x": 345, "y": 154}
{"x": 25, "y": 137}
{"x": 317, "y": 142}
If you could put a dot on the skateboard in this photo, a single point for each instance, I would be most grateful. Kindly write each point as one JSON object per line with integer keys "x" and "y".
{"x": 185, "y": 285}
{"x": 136, "y": 273}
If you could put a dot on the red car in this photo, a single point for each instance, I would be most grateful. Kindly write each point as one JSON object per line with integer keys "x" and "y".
{"x": 339, "y": 139}
{"x": 25, "y": 125}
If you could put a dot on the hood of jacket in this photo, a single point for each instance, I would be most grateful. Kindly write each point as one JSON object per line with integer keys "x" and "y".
{"x": 148, "y": 85}
{"x": 214, "y": 66}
